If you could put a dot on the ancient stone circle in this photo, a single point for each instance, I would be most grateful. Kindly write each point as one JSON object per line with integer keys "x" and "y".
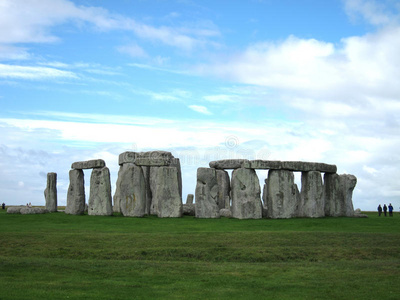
{"x": 150, "y": 183}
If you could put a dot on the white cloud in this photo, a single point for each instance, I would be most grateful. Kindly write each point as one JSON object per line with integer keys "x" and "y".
{"x": 200, "y": 109}
{"x": 374, "y": 12}
{"x": 221, "y": 98}
{"x": 26, "y": 72}
{"x": 31, "y": 21}
{"x": 132, "y": 50}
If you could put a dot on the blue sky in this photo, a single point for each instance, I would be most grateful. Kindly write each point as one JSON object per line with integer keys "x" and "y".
{"x": 282, "y": 80}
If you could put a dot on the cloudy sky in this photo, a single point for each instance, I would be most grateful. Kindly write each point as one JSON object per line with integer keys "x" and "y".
{"x": 302, "y": 80}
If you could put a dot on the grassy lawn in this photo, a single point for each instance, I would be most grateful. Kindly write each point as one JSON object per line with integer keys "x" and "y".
{"x": 58, "y": 256}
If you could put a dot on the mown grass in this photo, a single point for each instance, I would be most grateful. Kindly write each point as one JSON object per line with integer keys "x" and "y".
{"x": 89, "y": 257}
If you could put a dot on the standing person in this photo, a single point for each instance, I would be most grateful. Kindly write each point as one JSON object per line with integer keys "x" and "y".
{"x": 3, "y": 205}
{"x": 384, "y": 209}
{"x": 390, "y": 210}
{"x": 379, "y": 210}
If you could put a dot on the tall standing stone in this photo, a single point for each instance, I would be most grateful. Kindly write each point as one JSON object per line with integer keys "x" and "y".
{"x": 175, "y": 162}
{"x": 207, "y": 194}
{"x": 347, "y": 185}
{"x": 246, "y": 201}
{"x": 100, "y": 203}
{"x": 312, "y": 194}
{"x": 224, "y": 189}
{"x": 50, "y": 193}
{"x": 334, "y": 204}
{"x": 166, "y": 194}
{"x": 283, "y": 197}
{"x": 76, "y": 193}
{"x": 130, "y": 193}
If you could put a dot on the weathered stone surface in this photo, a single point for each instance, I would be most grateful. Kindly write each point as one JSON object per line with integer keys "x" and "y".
{"x": 175, "y": 162}
{"x": 130, "y": 193}
{"x": 189, "y": 199}
{"x": 166, "y": 193}
{"x": 14, "y": 209}
{"x": 150, "y": 158}
{"x": 357, "y": 211}
{"x": 312, "y": 194}
{"x": 88, "y": 164}
{"x": 225, "y": 212}
{"x": 347, "y": 185}
{"x": 50, "y": 193}
{"x": 76, "y": 193}
{"x": 207, "y": 193}
{"x": 230, "y": 164}
{"x": 246, "y": 201}
{"x": 266, "y": 164}
{"x": 264, "y": 212}
{"x": 100, "y": 202}
{"x": 127, "y": 157}
{"x": 338, "y": 195}
{"x": 153, "y": 158}
{"x": 224, "y": 188}
{"x": 33, "y": 210}
{"x": 153, "y": 185}
{"x": 334, "y": 202}
{"x": 146, "y": 174}
{"x": 283, "y": 197}
{"x": 189, "y": 209}
{"x": 299, "y": 166}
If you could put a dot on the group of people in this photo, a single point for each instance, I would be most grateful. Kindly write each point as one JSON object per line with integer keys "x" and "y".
{"x": 385, "y": 209}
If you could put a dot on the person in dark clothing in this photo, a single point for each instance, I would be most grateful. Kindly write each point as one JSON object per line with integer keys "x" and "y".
{"x": 390, "y": 210}
{"x": 384, "y": 209}
{"x": 3, "y": 205}
{"x": 379, "y": 210}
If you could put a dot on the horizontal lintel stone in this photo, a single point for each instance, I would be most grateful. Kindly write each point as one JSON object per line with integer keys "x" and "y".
{"x": 150, "y": 158}
{"x": 230, "y": 164}
{"x": 297, "y": 166}
{"x": 88, "y": 164}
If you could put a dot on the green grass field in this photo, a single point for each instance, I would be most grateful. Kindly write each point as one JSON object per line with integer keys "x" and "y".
{"x": 58, "y": 256}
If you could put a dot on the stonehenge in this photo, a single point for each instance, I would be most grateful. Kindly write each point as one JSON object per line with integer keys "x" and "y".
{"x": 150, "y": 183}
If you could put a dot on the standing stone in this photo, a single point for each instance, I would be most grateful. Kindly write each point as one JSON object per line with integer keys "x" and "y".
{"x": 166, "y": 193}
{"x": 189, "y": 199}
{"x": 246, "y": 201}
{"x": 224, "y": 189}
{"x": 153, "y": 185}
{"x": 130, "y": 193}
{"x": 100, "y": 202}
{"x": 207, "y": 193}
{"x": 283, "y": 197}
{"x": 312, "y": 194}
{"x": 76, "y": 193}
{"x": 175, "y": 162}
{"x": 146, "y": 174}
{"x": 50, "y": 193}
{"x": 334, "y": 204}
{"x": 347, "y": 185}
